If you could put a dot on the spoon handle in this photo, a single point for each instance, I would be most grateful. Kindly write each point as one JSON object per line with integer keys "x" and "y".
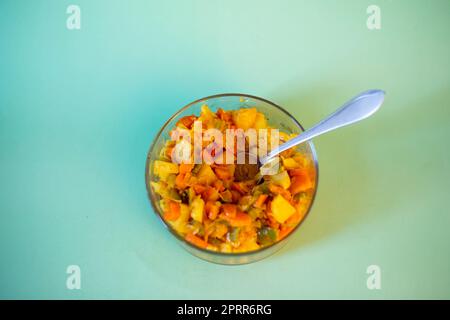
{"x": 360, "y": 107}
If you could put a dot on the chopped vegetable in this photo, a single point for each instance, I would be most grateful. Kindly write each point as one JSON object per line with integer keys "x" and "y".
{"x": 245, "y": 118}
{"x": 240, "y": 220}
{"x": 260, "y": 201}
{"x": 180, "y": 224}
{"x": 260, "y": 121}
{"x": 229, "y": 210}
{"x": 301, "y": 182}
{"x": 163, "y": 168}
{"x": 290, "y": 163}
{"x": 281, "y": 209}
{"x": 267, "y": 236}
{"x": 282, "y": 179}
{"x": 206, "y": 175}
{"x": 173, "y": 212}
{"x": 199, "y": 242}
{"x": 212, "y": 209}
{"x": 197, "y": 208}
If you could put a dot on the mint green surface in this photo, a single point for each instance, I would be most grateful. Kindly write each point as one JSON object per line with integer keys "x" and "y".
{"x": 79, "y": 109}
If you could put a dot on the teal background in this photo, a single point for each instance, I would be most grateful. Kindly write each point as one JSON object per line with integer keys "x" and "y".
{"x": 79, "y": 109}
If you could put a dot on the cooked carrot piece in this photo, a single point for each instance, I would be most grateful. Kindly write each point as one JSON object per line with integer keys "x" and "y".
{"x": 199, "y": 188}
{"x": 301, "y": 182}
{"x": 222, "y": 173}
{"x": 235, "y": 196}
{"x": 173, "y": 212}
{"x": 180, "y": 181}
{"x": 296, "y": 172}
{"x": 260, "y": 201}
{"x": 212, "y": 209}
{"x": 218, "y": 184}
{"x": 223, "y": 115}
{"x": 192, "y": 238}
{"x": 185, "y": 168}
{"x": 239, "y": 187}
{"x": 187, "y": 121}
{"x": 226, "y": 196}
{"x": 240, "y": 220}
{"x": 210, "y": 194}
{"x": 279, "y": 190}
{"x": 229, "y": 210}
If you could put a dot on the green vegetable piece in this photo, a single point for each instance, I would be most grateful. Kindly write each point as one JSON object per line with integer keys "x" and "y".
{"x": 266, "y": 236}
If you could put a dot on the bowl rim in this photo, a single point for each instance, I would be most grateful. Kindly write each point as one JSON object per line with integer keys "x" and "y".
{"x": 152, "y": 197}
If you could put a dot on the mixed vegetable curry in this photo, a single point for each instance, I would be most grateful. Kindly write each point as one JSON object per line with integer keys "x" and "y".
{"x": 212, "y": 208}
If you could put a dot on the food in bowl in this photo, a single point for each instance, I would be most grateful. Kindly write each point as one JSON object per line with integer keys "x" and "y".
{"x": 213, "y": 204}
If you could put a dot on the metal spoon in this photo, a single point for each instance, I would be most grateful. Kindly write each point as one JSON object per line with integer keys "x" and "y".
{"x": 360, "y": 107}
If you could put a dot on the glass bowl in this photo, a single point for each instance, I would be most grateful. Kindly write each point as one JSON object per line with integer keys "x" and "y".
{"x": 278, "y": 118}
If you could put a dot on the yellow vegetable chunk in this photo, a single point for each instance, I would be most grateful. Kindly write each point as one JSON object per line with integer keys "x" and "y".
{"x": 245, "y": 118}
{"x": 281, "y": 209}
{"x": 282, "y": 179}
{"x": 290, "y": 163}
{"x": 260, "y": 121}
{"x": 206, "y": 175}
{"x": 180, "y": 224}
{"x": 163, "y": 169}
{"x": 197, "y": 208}
{"x": 206, "y": 113}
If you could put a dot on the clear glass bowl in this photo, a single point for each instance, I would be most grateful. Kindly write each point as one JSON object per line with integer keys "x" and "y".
{"x": 277, "y": 118}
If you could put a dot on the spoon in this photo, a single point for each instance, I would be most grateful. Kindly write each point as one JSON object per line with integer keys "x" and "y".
{"x": 358, "y": 108}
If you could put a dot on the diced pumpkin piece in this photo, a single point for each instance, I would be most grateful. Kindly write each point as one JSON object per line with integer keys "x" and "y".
{"x": 163, "y": 169}
{"x": 260, "y": 121}
{"x": 248, "y": 244}
{"x": 281, "y": 209}
{"x": 187, "y": 121}
{"x": 226, "y": 196}
{"x": 180, "y": 224}
{"x": 173, "y": 211}
{"x": 220, "y": 230}
{"x": 181, "y": 181}
{"x": 218, "y": 185}
{"x": 244, "y": 118}
{"x": 275, "y": 189}
{"x": 199, "y": 188}
{"x": 212, "y": 209}
{"x": 229, "y": 210}
{"x": 282, "y": 179}
{"x": 197, "y": 208}
{"x": 223, "y": 173}
{"x": 239, "y": 187}
{"x": 186, "y": 167}
{"x": 290, "y": 163}
{"x": 240, "y": 220}
{"x": 206, "y": 112}
{"x": 301, "y": 182}
{"x": 206, "y": 175}
{"x": 164, "y": 191}
{"x": 210, "y": 194}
